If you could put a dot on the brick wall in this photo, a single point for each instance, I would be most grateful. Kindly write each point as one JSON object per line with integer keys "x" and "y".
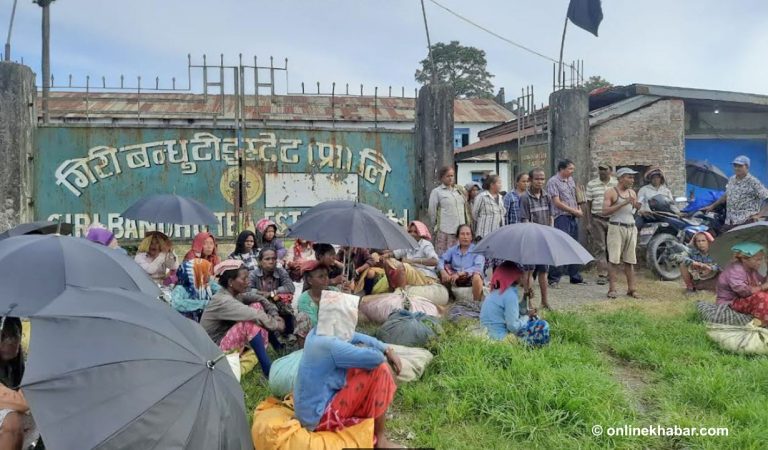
{"x": 650, "y": 136}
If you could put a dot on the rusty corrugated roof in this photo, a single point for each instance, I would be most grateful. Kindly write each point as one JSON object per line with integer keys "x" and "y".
{"x": 278, "y": 107}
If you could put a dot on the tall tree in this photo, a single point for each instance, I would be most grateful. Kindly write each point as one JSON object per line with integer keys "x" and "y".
{"x": 595, "y": 82}
{"x": 462, "y": 67}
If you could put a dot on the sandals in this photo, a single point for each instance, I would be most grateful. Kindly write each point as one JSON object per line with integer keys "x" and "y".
{"x": 530, "y": 293}
{"x": 612, "y": 295}
{"x": 633, "y": 294}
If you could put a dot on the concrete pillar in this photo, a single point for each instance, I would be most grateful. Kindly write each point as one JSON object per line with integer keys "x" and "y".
{"x": 569, "y": 131}
{"x": 17, "y": 127}
{"x": 434, "y": 140}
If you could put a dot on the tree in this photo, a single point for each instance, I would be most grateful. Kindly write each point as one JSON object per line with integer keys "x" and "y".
{"x": 462, "y": 67}
{"x": 595, "y": 82}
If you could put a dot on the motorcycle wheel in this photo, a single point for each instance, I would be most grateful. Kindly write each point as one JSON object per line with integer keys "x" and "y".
{"x": 656, "y": 257}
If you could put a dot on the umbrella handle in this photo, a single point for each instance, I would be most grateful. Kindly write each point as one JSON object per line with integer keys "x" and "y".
{"x": 211, "y": 363}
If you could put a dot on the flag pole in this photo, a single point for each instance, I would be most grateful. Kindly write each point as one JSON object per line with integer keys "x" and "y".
{"x": 560, "y": 81}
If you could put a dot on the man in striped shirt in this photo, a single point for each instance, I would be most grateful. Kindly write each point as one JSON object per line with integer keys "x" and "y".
{"x": 597, "y": 222}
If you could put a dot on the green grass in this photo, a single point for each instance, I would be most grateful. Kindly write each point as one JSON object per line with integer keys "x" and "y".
{"x": 639, "y": 364}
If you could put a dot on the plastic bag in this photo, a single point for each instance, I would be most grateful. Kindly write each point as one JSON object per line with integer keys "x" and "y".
{"x": 412, "y": 329}
{"x": 434, "y": 293}
{"x": 749, "y": 339}
{"x": 414, "y": 361}
{"x": 282, "y": 375}
{"x": 377, "y": 308}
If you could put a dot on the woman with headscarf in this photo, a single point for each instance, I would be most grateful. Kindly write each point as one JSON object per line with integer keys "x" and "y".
{"x": 155, "y": 255}
{"x": 423, "y": 258}
{"x": 231, "y": 323}
{"x": 698, "y": 269}
{"x": 98, "y": 233}
{"x": 245, "y": 249}
{"x": 500, "y": 312}
{"x": 343, "y": 376}
{"x": 204, "y": 246}
{"x": 17, "y": 427}
{"x": 194, "y": 289}
{"x": 741, "y": 286}
{"x": 268, "y": 237}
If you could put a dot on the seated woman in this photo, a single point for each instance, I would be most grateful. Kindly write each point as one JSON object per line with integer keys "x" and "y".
{"x": 99, "y": 234}
{"x": 232, "y": 324}
{"x": 297, "y": 257}
{"x": 363, "y": 266}
{"x": 204, "y": 246}
{"x": 326, "y": 256}
{"x": 697, "y": 268}
{"x": 274, "y": 285}
{"x": 741, "y": 286}
{"x": 343, "y": 376}
{"x": 155, "y": 255}
{"x": 315, "y": 282}
{"x": 194, "y": 289}
{"x": 245, "y": 249}
{"x": 17, "y": 428}
{"x": 424, "y": 258}
{"x": 459, "y": 267}
{"x": 500, "y": 312}
{"x": 268, "y": 237}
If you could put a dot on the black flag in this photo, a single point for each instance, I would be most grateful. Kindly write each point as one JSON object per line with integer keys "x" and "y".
{"x": 586, "y": 14}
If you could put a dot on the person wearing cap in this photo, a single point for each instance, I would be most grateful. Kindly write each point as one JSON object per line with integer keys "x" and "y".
{"x": 619, "y": 205}
{"x": 597, "y": 223}
{"x": 741, "y": 286}
{"x": 744, "y": 195}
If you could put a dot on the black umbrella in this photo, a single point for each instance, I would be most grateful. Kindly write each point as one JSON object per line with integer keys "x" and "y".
{"x": 531, "y": 243}
{"x": 706, "y": 175}
{"x": 116, "y": 369}
{"x": 37, "y": 269}
{"x": 350, "y": 224}
{"x": 41, "y": 227}
{"x": 173, "y": 209}
{"x": 756, "y": 232}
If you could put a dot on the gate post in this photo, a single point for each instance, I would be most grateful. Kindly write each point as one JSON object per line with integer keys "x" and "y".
{"x": 434, "y": 141}
{"x": 569, "y": 131}
{"x": 18, "y": 122}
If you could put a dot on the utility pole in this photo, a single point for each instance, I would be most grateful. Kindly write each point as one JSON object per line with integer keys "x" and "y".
{"x": 45, "y": 4}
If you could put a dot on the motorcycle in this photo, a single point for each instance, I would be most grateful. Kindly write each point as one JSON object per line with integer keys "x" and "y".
{"x": 663, "y": 231}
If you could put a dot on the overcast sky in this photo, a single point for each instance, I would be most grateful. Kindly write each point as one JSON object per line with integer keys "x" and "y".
{"x": 710, "y": 44}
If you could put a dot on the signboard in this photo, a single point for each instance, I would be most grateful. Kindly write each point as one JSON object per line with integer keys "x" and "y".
{"x": 534, "y": 155}
{"x": 91, "y": 174}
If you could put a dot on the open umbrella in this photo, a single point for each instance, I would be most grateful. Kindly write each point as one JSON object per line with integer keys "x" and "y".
{"x": 37, "y": 269}
{"x": 169, "y": 208}
{"x": 350, "y": 224}
{"x": 706, "y": 175}
{"x": 108, "y": 369}
{"x": 752, "y": 232}
{"x": 533, "y": 244}
{"x": 41, "y": 227}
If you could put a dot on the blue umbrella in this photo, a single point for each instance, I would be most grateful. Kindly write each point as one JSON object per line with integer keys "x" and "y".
{"x": 533, "y": 244}
{"x": 168, "y": 208}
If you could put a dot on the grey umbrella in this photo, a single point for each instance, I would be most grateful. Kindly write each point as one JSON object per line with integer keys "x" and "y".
{"x": 41, "y": 227}
{"x": 756, "y": 232}
{"x": 706, "y": 175}
{"x": 351, "y": 224}
{"x": 37, "y": 269}
{"x": 531, "y": 243}
{"x": 109, "y": 369}
{"x": 169, "y": 208}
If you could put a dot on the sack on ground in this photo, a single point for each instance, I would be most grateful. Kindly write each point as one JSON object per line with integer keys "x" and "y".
{"x": 435, "y": 293}
{"x": 464, "y": 310}
{"x": 274, "y": 427}
{"x": 282, "y": 374}
{"x": 748, "y": 339}
{"x": 464, "y": 294}
{"x": 412, "y": 329}
{"x": 413, "y": 362}
{"x": 722, "y": 314}
{"x": 377, "y": 308}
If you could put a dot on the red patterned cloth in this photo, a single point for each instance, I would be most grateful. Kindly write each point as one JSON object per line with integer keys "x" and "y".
{"x": 755, "y": 305}
{"x": 242, "y": 333}
{"x": 367, "y": 394}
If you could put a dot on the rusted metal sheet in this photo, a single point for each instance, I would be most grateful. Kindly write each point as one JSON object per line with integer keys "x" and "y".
{"x": 92, "y": 174}
{"x": 347, "y": 108}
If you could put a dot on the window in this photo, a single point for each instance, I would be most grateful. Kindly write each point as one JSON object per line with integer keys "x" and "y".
{"x": 477, "y": 175}
{"x": 460, "y": 137}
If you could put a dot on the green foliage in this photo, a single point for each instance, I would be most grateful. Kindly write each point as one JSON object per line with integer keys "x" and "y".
{"x": 462, "y": 67}
{"x": 595, "y": 82}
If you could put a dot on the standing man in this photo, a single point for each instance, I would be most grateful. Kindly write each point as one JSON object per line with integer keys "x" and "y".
{"x": 536, "y": 207}
{"x": 619, "y": 205}
{"x": 562, "y": 190}
{"x": 744, "y": 195}
{"x": 597, "y": 223}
